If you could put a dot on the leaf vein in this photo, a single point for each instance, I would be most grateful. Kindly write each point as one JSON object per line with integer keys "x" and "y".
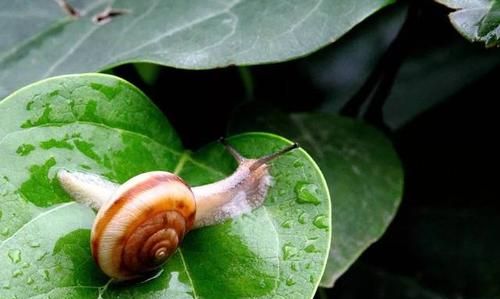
{"x": 187, "y": 272}
{"x": 70, "y": 51}
{"x": 34, "y": 219}
{"x": 177, "y": 30}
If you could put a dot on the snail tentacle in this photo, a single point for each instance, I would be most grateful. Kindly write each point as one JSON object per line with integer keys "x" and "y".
{"x": 240, "y": 193}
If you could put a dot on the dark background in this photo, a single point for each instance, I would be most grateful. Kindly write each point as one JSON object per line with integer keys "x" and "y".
{"x": 444, "y": 241}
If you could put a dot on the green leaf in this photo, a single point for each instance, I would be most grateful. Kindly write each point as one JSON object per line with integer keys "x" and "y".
{"x": 362, "y": 170}
{"x": 40, "y": 40}
{"x": 476, "y": 20}
{"x": 102, "y": 124}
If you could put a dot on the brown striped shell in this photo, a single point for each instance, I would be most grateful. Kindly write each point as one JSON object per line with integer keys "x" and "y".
{"x": 142, "y": 225}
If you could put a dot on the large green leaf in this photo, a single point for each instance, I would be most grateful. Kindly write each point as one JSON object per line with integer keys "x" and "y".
{"x": 477, "y": 20}
{"x": 38, "y": 39}
{"x": 362, "y": 170}
{"x": 102, "y": 124}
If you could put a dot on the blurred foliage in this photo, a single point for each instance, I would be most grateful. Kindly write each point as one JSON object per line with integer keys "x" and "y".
{"x": 476, "y": 20}
{"x": 439, "y": 113}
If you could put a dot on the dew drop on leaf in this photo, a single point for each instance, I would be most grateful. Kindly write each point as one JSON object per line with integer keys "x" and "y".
{"x": 287, "y": 224}
{"x": 15, "y": 255}
{"x": 307, "y": 193}
{"x": 41, "y": 256}
{"x": 262, "y": 284}
{"x": 321, "y": 221}
{"x": 30, "y": 281}
{"x": 289, "y": 251}
{"x": 34, "y": 244}
{"x": 303, "y": 218}
{"x": 290, "y": 281}
{"x": 4, "y": 232}
{"x": 310, "y": 248}
{"x": 46, "y": 275}
{"x": 311, "y": 278}
{"x": 17, "y": 273}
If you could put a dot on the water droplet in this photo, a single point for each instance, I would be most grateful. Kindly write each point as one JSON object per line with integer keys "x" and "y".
{"x": 34, "y": 244}
{"x": 282, "y": 192}
{"x": 289, "y": 251}
{"x": 294, "y": 267}
{"x": 287, "y": 224}
{"x": 303, "y": 218}
{"x": 15, "y": 255}
{"x": 30, "y": 281}
{"x": 310, "y": 248}
{"x": 262, "y": 284}
{"x": 6, "y": 285}
{"x": 321, "y": 221}
{"x": 1, "y": 214}
{"x": 25, "y": 265}
{"x": 298, "y": 164}
{"x": 46, "y": 275}
{"x": 311, "y": 278}
{"x": 308, "y": 266}
{"x": 17, "y": 273}
{"x": 4, "y": 232}
{"x": 84, "y": 166}
{"x": 307, "y": 193}
{"x": 290, "y": 281}
{"x": 41, "y": 256}
{"x": 29, "y": 105}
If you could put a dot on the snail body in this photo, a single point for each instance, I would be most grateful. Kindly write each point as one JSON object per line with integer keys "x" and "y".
{"x": 141, "y": 223}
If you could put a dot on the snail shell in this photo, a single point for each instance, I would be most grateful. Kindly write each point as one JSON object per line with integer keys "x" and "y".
{"x": 142, "y": 225}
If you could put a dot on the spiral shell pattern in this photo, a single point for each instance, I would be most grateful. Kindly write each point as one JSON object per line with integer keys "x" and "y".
{"x": 142, "y": 225}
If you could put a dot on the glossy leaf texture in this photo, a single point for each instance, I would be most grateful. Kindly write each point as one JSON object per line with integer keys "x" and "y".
{"x": 363, "y": 172}
{"x": 102, "y": 124}
{"x": 39, "y": 39}
{"x": 477, "y": 20}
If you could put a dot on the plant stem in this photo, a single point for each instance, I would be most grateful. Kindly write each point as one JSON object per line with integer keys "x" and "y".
{"x": 247, "y": 80}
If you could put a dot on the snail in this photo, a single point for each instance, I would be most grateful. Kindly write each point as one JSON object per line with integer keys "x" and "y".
{"x": 140, "y": 223}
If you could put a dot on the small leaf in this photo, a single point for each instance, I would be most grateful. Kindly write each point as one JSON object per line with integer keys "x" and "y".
{"x": 362, "y": 170}
{"x": 477, "y": 20}
{"x": 102, "y": 124}
{"x": 41, "y": 40}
